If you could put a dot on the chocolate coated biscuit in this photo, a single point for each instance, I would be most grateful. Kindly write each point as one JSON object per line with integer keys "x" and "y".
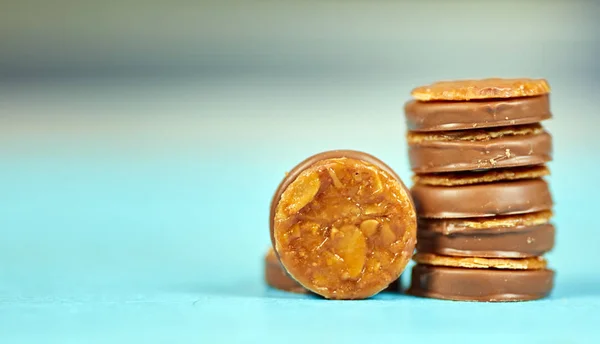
{"x": 515, "y": 242}
{"x": 486, "y": 285}
{"x": 450, "y": 152}
{"x": 477, "y": 177}
{"x": 343, "y": 225}
{"x": 449, "y": 115}
{"x": 478, "y": 200}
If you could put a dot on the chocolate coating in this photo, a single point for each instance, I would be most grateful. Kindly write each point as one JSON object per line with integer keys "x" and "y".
{"x": 394, "y": 287}
{"x": 490, "y": 199}
{"x": 515, "y": 242}
{"x": 485, "y": 285}
{"x": 452, "y": 115}
{"x": 295, "y": 172}
{"x": 276, "y": 277}
{"x": 456, "y": 155}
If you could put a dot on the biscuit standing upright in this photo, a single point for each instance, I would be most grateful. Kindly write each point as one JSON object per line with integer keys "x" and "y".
{"x": 342, "y": 225}
{"x": 478, "y": 152}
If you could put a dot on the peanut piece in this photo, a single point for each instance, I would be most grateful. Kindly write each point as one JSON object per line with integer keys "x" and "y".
{"x": 369, "y": 227}
{"x": 352, "y": 248}
{"x": 387, "y": 235}
{"x": 305, "y": 190}
{"x": 336, "y": 181}
{"x": 350, "y": 210}
{"x": 377, "y": 184}
{"x": 334, "y": 232}
{"x": 372, "y": 209}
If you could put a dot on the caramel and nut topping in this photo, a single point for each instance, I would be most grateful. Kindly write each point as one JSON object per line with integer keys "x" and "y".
{"x": 478, "y": 177}
{"x": 461, "y": 90}
{"x": 474, "y": 135}
{"x": 344, "y": 228}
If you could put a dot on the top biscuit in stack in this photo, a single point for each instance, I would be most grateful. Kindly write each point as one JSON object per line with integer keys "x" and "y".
{"x": 478, "y": 124}
{"x": 482, "y": 138}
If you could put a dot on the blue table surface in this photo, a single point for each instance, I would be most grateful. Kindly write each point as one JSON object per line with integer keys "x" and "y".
{"x": 141, "y": 216}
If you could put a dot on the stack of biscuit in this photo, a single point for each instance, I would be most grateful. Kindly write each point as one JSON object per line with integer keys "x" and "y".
{"x": 478, "y": 152}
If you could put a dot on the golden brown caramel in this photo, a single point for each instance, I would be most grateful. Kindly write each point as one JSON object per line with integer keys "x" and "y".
{"x": 474, "y": 134}
{"x": 461, "y": 90}
{"x": 344, "y": 228}
{"x": 533, "y": 263}
{"x": 487, "y": 176}
{"x": 277, "y": 277}
{"x": 449, "y": 226}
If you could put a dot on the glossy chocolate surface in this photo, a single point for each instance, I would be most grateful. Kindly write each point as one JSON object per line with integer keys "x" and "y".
{"x": 457, "y": 115}
{"x": 488, "y": 199}
{"x": 514, "y": 242}
{"x": 458, "y": 155}
{"x": 485, "y": 285}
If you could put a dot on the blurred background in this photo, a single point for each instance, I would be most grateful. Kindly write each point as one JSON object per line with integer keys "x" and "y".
{"x": 141, "y": 141}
